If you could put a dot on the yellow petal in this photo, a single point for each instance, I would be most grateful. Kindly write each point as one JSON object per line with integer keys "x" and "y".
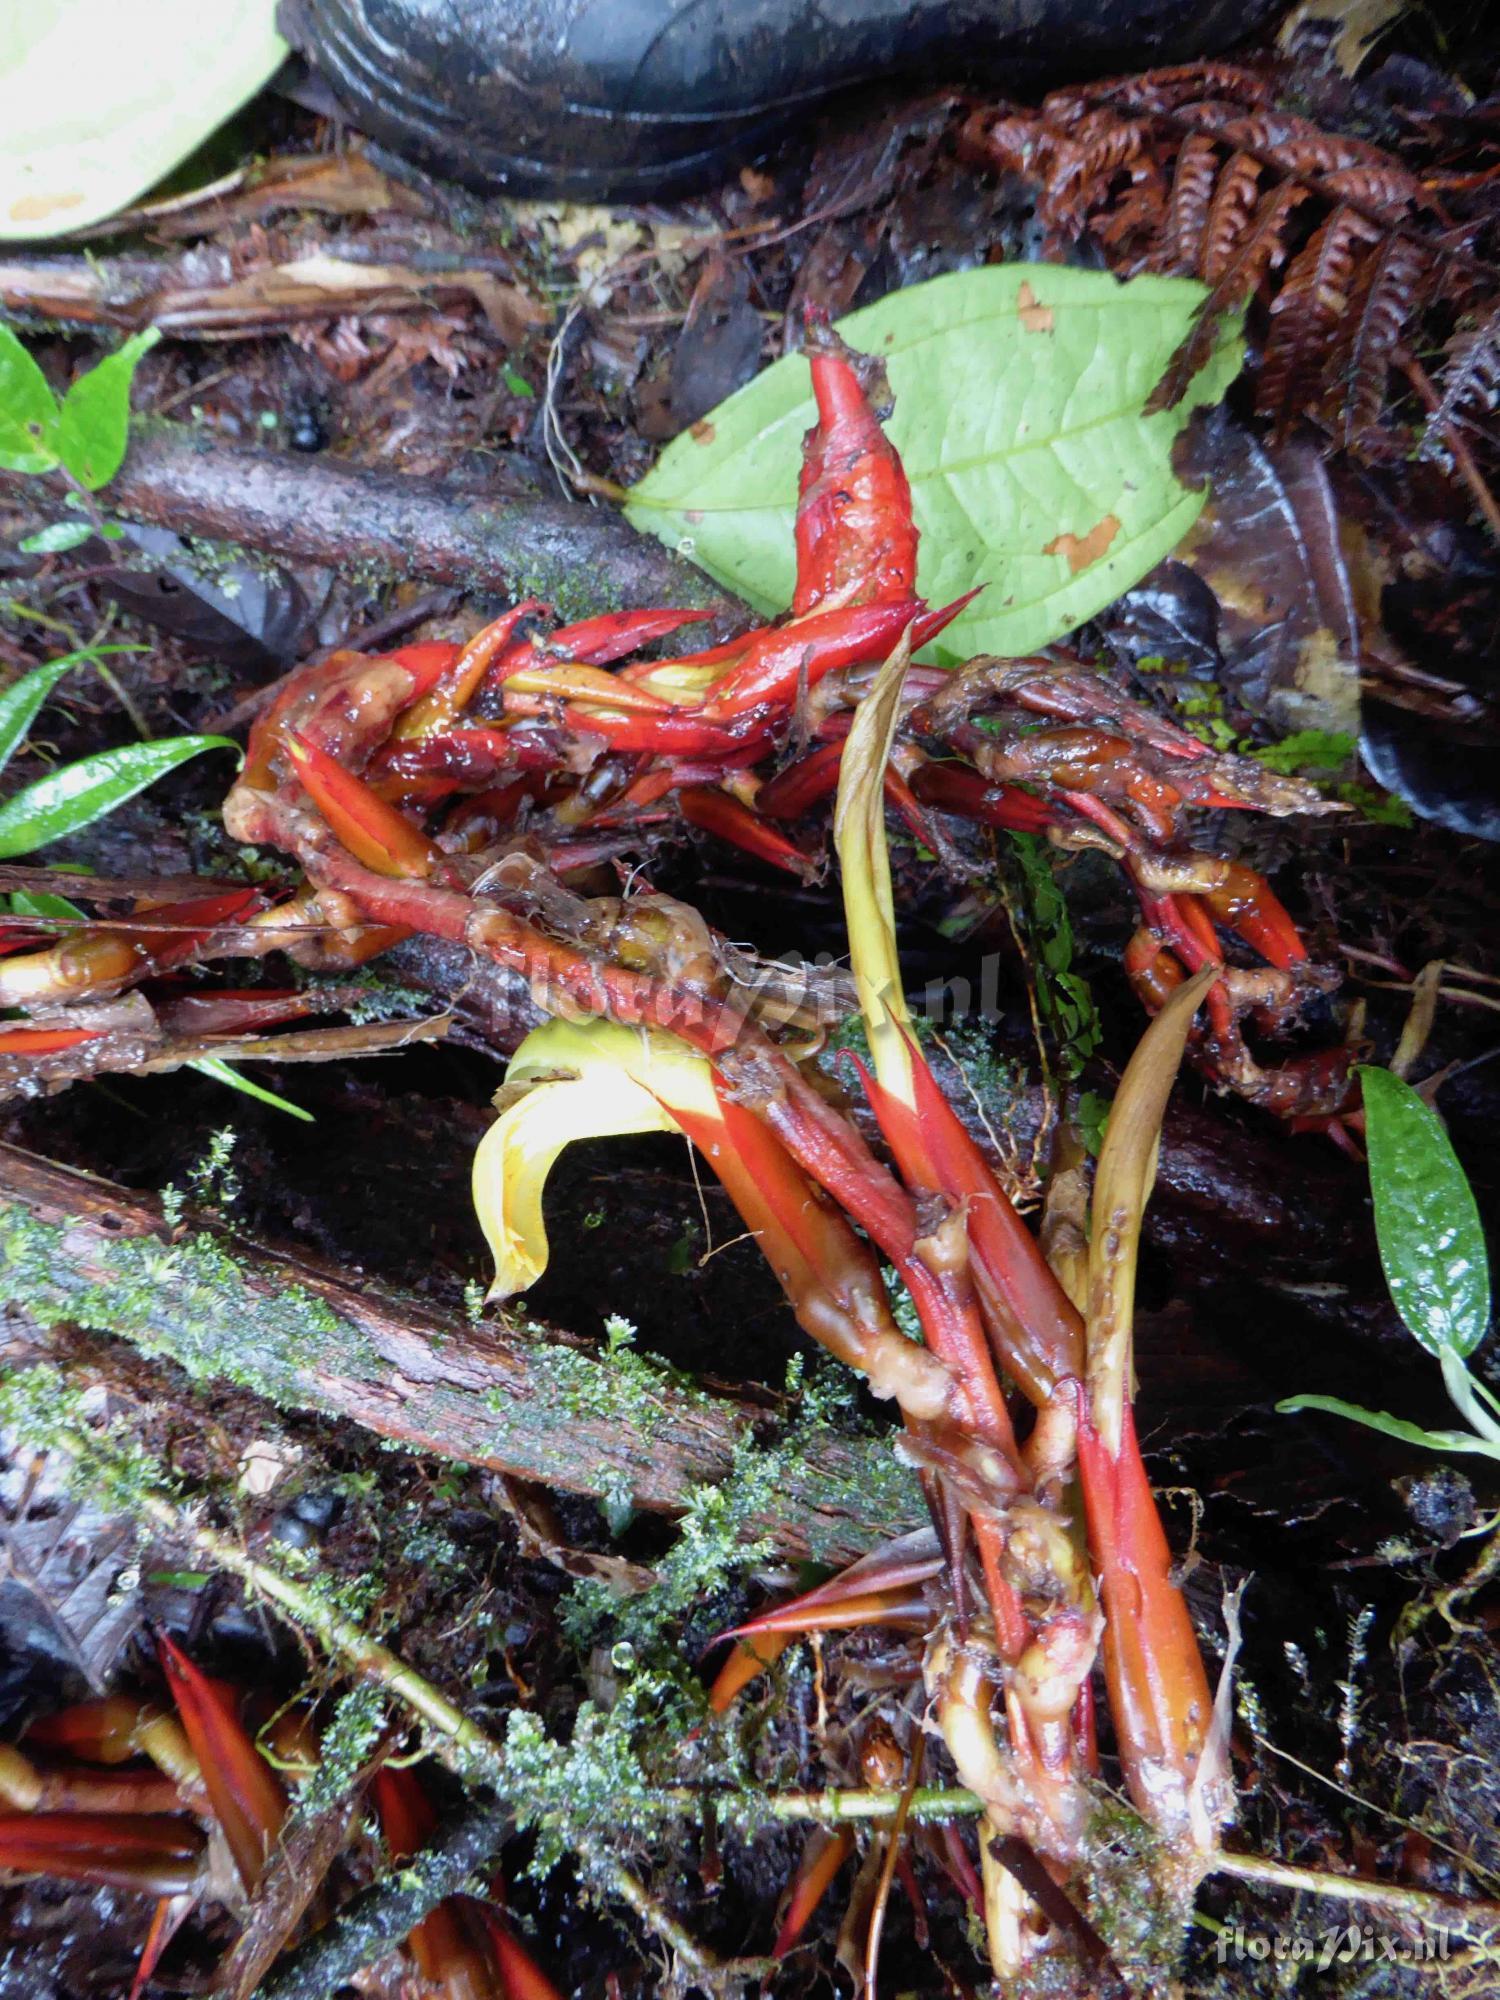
{"x": 577, "y": 1080}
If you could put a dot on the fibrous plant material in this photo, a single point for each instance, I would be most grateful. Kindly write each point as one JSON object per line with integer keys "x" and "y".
{"x": 1199, "y": 171}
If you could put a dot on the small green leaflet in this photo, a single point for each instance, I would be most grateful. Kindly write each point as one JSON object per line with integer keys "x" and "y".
{"x": 1019, "y": 396}
{"x": 1064, "y": 1002}
{"x": 56, "y": 540}
{"x": 86, "y": 434}
{"x": 1389, "y": 1426}
{"x": 77, "y": 794}
{"x": 28, "y": 410}
{"x": 1307, "y": 750}
{"x": 1093, "y": 1120}
{"x": 38, "y": 903}
{"x": 94, "y": 422}
{"x": 1426, "y": 1219}
{"x": 223, "y": 1072}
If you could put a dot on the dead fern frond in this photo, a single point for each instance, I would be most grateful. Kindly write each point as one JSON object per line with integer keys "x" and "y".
{"x": 1469, "y": 385}
{"x": 1344, "y": 251}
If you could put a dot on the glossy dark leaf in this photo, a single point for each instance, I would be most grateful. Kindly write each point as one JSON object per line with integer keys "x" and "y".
{"x": 80, "y": 793}
{"x": 245, "y": 613}
{"x": 1426, "y": 1219}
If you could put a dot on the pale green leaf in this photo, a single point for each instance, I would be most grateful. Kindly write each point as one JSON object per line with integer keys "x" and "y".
{"x": 1019, "y": 396}
{"x": 73, "y": 797}
{"x": 1426, "y": 1219}
{"x": 226, "y": 1073}
{"x": 94, "y": 424}
{"x": 1389, "y": 1426}
{"x": 39, "y": 903}
{"x": 55, "y": 540}
{"x": 28, "y": 408}
{"x": 98, "y": 101}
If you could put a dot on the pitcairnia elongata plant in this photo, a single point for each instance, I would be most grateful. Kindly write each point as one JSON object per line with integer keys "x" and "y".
{"x": 1045, "y": 1560}
{"x": 1047, "y": 1557}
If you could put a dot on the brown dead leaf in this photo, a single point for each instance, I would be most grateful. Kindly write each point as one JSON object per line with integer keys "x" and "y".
{"x": 327, "y": 184}
{"x": 1034, "y": 317}
{"x": 1081, "y": 550}
{"x": 298, "y": 1870}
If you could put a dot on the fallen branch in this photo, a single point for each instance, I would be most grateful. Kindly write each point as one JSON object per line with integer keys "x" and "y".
{"x": 581, "y": 560}
{"x": 374, "y": 1923}
{"x": 521, "y": 1401}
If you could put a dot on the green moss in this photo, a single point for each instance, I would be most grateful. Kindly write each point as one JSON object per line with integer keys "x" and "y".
{"x": 344, "y": 1748}
{"x": 188, "y": 1301}
{"x": 613, "y": 1383}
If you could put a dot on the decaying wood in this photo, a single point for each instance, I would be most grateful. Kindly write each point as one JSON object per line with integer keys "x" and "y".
{"x": 581, "y": 560}
{"x": 524, "y": 1401}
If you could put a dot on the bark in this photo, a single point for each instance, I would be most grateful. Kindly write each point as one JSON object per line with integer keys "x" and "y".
{"x": 375, "y": 1922}
{"x": 518, "y": 1398}
{"x": 581, "y": 560}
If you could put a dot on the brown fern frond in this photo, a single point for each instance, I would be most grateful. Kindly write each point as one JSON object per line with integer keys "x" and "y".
{"x": 1184, "y": 227}
{"x": 1378, "y": 318}
{"x": 1468, "y": 386}
{"x": 1313, "y": 299}
{"x": 1198, "y": 171}
{"x": 1231, "y": 214}
{"x": 1166, "y": 90}
{"x": 1259, "y": 251}
{"x": 1091, "y": 160}
{"x": 1388, "y": 190}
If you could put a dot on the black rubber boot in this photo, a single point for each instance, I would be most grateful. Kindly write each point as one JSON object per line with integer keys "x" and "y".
{"x": 607, "y": 99}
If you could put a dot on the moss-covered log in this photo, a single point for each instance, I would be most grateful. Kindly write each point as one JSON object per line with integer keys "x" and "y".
{"x": 514, "y": 1396}
{"x": 504, "y": 541}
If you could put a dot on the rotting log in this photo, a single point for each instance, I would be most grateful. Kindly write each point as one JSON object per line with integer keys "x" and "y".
{"x": 517, "y": 1398}
{"x": 507, "y": 543}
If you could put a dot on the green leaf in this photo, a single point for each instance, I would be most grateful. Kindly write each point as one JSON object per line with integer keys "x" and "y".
{"x": 223, "y": 1072}
{"x": 28, "y": 410}
{"x": 21, "y": 701}
{"x": 38, "y": 903}
{"x": 1093, "y": 1120}
{"x": 1426, "y": 1219}
{"x": 1396, "y": 1427}
{"x": 88, "y": 122}
{"x": 80, "y": 793}
{"x": 1065, "y": 1003}
{"x": 54, "y": 540}
{"x": 1019, "y": 396}
{"x": 95, "y": 419}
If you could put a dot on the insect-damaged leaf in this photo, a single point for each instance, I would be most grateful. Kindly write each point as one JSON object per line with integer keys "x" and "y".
{"x": 1019, "y": 397}
{"x": 1426, "y": 1219}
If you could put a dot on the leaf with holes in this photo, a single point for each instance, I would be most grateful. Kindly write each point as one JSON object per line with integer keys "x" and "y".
{"x": 1019, "y": 411}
